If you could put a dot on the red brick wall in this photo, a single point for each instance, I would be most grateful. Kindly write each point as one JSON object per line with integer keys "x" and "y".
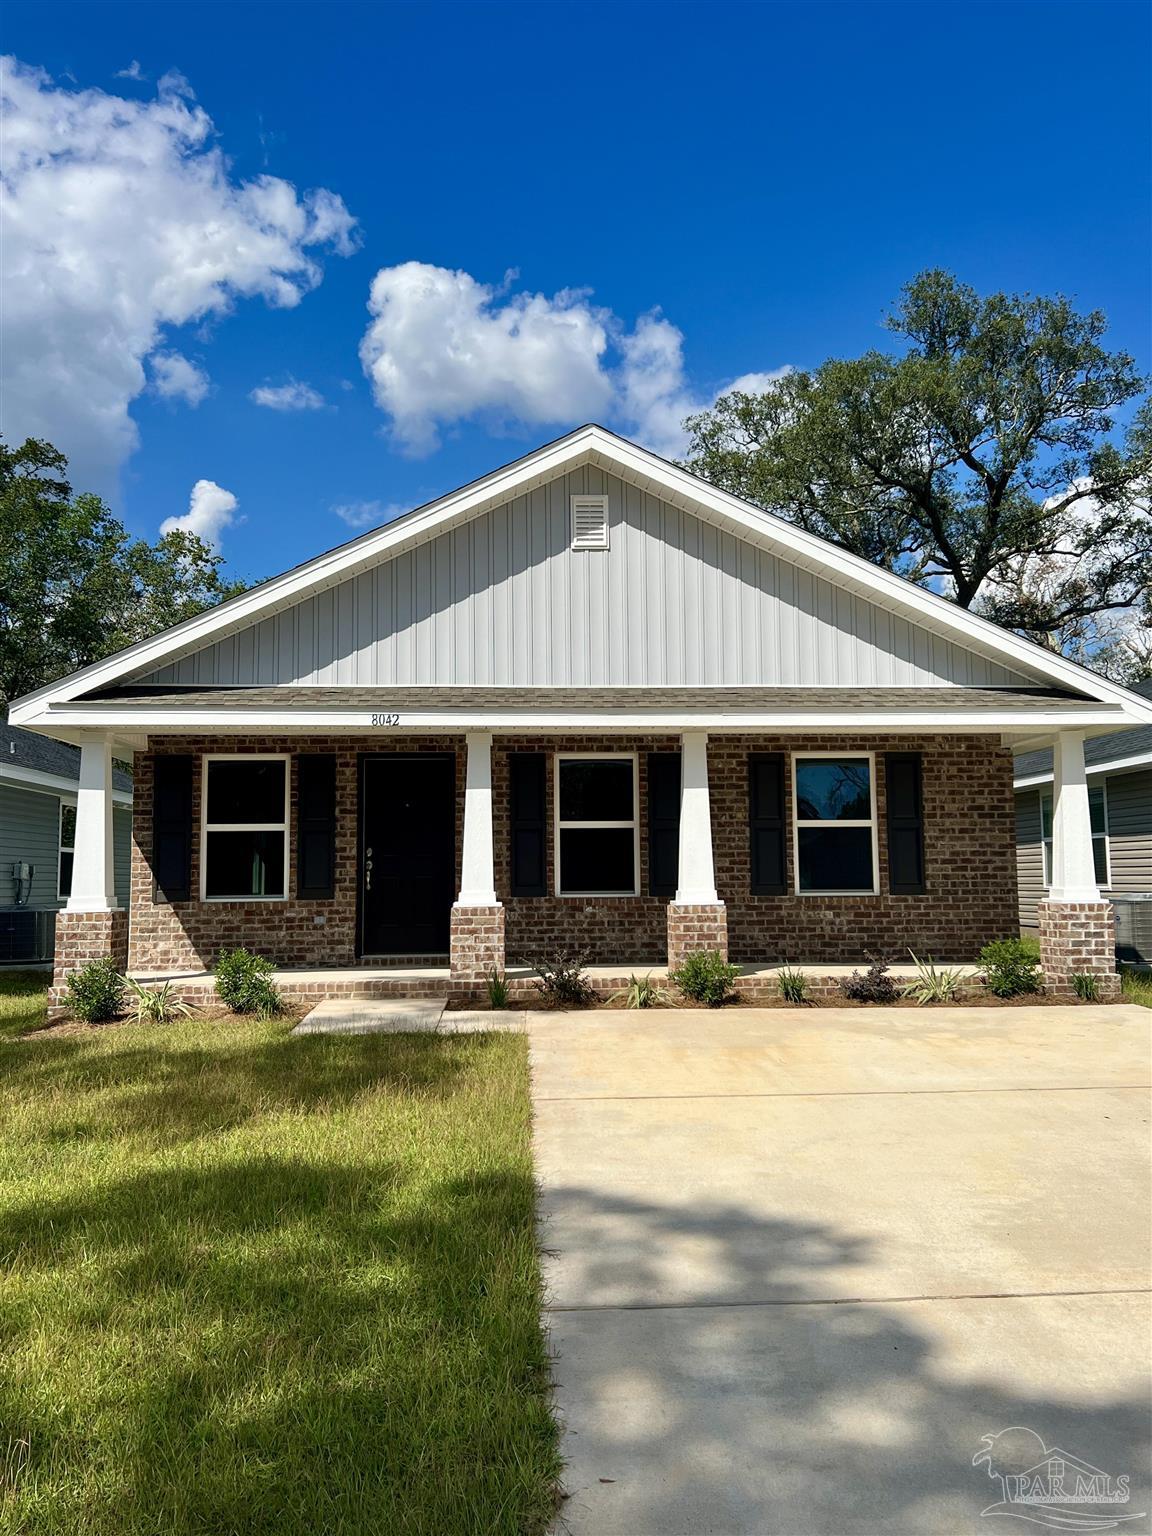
{"x": 969, "y": 829}
{"x": 187, "y": 935}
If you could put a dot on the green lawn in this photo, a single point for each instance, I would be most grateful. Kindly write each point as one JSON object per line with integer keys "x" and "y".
{"x": 263, "y": 1284}
{"x": 22, "y": 995}
{"x": 1138, "y": 987}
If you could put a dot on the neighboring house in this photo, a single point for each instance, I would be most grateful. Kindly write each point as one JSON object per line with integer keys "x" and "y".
{"x": 1119, "y": 774}
{"x": 38, "y": 785}
{"x": 588, "y": 701}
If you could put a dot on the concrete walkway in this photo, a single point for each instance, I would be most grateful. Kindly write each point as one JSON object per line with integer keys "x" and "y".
{"x": 803, "y": 1261}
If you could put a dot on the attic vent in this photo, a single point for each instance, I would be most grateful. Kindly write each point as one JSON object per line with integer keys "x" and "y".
{"x": 589, "y": 522}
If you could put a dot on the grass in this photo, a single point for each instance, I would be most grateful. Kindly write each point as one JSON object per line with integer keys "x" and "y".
{"x": 22, "y": 1002}
{"x": 263, "y": 1284}
{"x": 1137, "y": 987}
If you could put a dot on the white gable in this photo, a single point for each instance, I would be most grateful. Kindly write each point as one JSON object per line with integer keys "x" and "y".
{"x": 505, "y": 599}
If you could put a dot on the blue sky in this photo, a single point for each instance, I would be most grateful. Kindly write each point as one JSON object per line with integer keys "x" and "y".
{"x": 766, "y": 177}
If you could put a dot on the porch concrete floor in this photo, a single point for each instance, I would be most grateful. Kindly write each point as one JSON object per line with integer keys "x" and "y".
{"x": 802, "y": 1262}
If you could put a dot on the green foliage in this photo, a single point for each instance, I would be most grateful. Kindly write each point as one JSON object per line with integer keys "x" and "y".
{"x": 981, "y": 459}
{"x": 706, "y": 977}
{"x": 497, "y": 985}
{"x": 95, "y": 991}
{"x": 873, "y": 986}
{"x": 156, "y": 1005}
{"x": 562, "y": 980}
{"x": 243, "y": 983}
{"x": 793, "y": 985}
{"x": 642, "y": 992}
{"x": 1011, "y": 967}
{"x": 932, "y": 985}
{"x": 1086, "y": 987}
{"x": 73, "y": 586}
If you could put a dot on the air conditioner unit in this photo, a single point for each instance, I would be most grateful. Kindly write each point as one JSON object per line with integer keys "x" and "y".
{"x": 26, "y": 935}
{"x": 1134, "y": 927}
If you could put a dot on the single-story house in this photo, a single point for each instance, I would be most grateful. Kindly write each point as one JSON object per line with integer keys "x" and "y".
{"x": 1119, "y": 773}
{"x": 38, "y": 784}
{"x": 586, "y": 701}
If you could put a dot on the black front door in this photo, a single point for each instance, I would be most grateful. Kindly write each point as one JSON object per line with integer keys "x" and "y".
{"x": 407, "y": 853}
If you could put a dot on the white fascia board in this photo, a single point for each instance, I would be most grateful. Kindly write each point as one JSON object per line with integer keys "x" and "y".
{"x": 1118, "y": 765}
{"x": 617, "y": 455}
{"x": 50, "y": 783}
{"x": 120, "y": 714}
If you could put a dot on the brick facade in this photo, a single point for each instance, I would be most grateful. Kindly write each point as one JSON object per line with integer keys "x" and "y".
{"x": 694, "y": 928}
{"x": 84, "y": 936}
{"x": 477, "y": 947}
{"x": 1078, "y": 938}
{"x": 969, "y": 838}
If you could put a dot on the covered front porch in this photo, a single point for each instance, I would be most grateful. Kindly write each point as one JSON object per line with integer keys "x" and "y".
{"x": 460, "y": 837}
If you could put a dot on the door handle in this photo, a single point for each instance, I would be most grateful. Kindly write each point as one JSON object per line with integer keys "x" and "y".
{"x": 368, "y": 869}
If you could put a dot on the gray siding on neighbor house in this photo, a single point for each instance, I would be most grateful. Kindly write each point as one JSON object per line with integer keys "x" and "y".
{"x": 503, "y": 600}
{"x": 30, "y": 833}
{"x": 1129, "y": 838}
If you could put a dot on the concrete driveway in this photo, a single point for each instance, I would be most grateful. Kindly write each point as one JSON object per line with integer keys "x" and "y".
{"x": 802, "y": 1262}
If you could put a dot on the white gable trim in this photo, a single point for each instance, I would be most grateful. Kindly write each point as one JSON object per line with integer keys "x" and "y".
{"x": 595, "y": 445}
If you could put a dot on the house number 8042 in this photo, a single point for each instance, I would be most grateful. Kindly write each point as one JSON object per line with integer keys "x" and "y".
{"x": 385, "y": 719}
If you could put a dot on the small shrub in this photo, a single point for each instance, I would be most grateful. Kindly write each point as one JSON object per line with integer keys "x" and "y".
{"x": 706, "y": 977}
{"x": 243, "y": 983}
{"x": 497, "y": 984}
{"x": 932, "y": 985}
{"x": 874, "y": 986}
{"x": 96, "y": 991}
{"x": 1011, "y": 967}
{"x": 158, "y": 1005}
{"x": 561, "y": 978}
{"x": 1087, "y": 988}
{"x": 793, "y": 985}
{"x": 642, "y": 992}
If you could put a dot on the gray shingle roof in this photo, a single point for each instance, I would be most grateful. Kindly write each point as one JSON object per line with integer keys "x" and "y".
{"x": 630, "y": 700}
{"x": 26, "y": 749}
{"x": 1100, "y": 750}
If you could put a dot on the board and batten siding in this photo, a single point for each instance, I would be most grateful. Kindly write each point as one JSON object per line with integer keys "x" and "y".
{"x": 1129, "y": 839}
{"x": 30, "y": 833}
{"x": 503, "y": 600}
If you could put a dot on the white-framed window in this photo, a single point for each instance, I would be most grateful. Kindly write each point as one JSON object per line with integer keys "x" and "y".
{"x": 1098, "y": 811}
{"x": 244, "y": 827}
{"x": 67, "y": 855}
{"x": 597, "y": 838}
{"x": 834, "y": 824}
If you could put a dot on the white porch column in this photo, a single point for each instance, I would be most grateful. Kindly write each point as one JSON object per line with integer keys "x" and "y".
{"x": 478, "y": 875}
{"x": 93, "y": 870}
{"x": 697, "y": 883}
{"x": 1073, "y": 871}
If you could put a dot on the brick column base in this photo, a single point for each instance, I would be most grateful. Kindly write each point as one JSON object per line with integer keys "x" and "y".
{"x": 1078, "y": 938}
{"x": 476, "y": 948}
{"x": 84, "y": 936}
{"x": 693, "y": 928}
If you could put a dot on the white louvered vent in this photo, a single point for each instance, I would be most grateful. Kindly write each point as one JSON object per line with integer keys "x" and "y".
{"x": 589, "y": 522}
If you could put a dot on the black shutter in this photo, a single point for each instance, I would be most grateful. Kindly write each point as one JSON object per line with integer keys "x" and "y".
{"x": 172, "y": 827}
{"x": 316, "y": 826}
{"x": 663, "y": 823}
{"x": 904, "y": 795}
{"x": 767, "y": 855}
{"x": 527, "y": 788}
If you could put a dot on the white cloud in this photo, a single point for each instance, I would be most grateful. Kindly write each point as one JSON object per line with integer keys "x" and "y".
{"x": 443, "y": 348}
{"x": 370, "y": 514}
{"x": 132, "y": 72}
{"x": 175, "y": 378}
{"x": 293, "y": 396}
{"x": 210, "y": 510}
{"x": 122, "y": 219}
